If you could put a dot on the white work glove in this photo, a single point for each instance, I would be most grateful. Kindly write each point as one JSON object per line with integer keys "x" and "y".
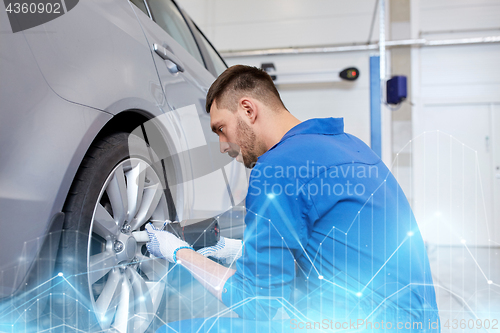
{"x": 227, "y": 250}
{"x": 163, "y": 244}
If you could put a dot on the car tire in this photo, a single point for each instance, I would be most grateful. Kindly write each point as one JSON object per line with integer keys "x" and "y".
{"x": 106, "y": 278}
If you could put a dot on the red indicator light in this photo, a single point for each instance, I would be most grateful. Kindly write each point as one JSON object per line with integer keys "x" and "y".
{"x": 349, "y": 74}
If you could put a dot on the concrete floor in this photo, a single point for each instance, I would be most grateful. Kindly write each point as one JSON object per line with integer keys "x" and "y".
{"x": 461, "y": 278}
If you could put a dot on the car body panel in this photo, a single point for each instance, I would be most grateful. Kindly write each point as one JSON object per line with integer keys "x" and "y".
{"x": 204, "y": 183}
{"x": 62, "y": 82}
{"x": 42, "y": 141}
{"x": 97, "y": 46}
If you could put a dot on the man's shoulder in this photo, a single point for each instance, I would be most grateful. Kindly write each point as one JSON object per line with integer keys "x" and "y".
{"x": 319, "y": 149}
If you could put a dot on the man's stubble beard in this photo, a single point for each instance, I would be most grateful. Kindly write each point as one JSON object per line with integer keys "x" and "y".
{"x": 250, "y": 147}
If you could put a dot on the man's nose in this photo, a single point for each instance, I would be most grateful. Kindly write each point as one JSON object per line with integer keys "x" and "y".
{"x": 224, "y": 146}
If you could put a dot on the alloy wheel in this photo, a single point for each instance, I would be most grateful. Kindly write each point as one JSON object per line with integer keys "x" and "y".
{"x": 126, "y": 283}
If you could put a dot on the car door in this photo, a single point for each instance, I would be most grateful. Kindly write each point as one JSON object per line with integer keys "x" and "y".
{"x": 202, "y": 189}
{"x": 238, "y": 182}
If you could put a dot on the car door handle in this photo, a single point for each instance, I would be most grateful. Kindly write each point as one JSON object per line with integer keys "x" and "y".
{"x": 167, "y": 55}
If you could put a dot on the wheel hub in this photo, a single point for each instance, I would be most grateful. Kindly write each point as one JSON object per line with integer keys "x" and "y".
{"x": 126, "y": 248}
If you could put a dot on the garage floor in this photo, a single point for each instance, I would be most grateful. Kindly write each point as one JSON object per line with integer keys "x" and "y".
{"x": 462, "y": 289}
{"x": 463, "y": 292}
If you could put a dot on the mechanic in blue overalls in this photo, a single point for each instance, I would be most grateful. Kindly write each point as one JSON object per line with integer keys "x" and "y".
{"x": 330, "y": 237}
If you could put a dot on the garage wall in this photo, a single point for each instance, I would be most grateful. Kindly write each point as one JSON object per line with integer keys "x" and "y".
{"x": 256, "y": 24}
{"x": 259, "y": 24}
{"x": 456, "y": 122}
{"x": 336, "y": 99}
{"x": 454, "y": 89}
{"x": 443, "y": 18}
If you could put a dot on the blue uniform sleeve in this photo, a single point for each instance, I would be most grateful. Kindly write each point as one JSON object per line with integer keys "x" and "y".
{"x": 274, "y": 237}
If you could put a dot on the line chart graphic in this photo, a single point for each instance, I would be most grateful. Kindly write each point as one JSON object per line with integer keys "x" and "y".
{"x": 463, "y": 259}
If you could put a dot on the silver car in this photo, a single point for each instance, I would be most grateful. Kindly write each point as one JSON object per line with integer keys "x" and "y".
{"x": 102, "y": 130}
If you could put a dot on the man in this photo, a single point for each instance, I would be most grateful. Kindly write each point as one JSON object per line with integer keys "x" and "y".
{"x": 330, "y": 237}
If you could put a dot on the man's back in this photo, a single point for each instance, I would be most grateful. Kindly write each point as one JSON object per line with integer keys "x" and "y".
{"x": 335, "y": 230}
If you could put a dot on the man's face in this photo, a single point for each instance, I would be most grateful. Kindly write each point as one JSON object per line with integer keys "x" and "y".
{"x": 235, "y": 136}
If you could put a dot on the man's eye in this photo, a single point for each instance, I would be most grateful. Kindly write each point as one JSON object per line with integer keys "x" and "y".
{"x": 220, "y": 129}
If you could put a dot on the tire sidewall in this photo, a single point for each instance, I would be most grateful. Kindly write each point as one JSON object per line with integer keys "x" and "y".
{"x": 99, "y": 162}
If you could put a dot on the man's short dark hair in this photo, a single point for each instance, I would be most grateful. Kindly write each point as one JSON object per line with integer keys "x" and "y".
{"x": 240, "y": 80}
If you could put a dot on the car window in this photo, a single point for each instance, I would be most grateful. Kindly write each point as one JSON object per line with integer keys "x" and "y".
{"x": 219, "y": 64}
{"x": 166, "y": 14}
{"x": 140, "y": 4}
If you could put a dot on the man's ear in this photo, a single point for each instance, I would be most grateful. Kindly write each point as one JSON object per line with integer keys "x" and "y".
{"x": 249, "y": 109}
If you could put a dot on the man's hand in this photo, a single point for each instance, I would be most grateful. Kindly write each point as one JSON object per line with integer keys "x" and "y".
{"x": 164, "y": 244}
{"x": 227, "y": 250}
{"x": 210, "y": 274}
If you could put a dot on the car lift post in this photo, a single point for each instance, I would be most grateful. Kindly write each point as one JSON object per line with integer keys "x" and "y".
{"x": 377, "y": 76}
{"x": 375, "y": 106}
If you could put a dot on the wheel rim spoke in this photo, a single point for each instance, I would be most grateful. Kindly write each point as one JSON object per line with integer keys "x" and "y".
{"x": 107, "y": 302}
{"x": 161, "y": 212}
{"x": 104, "y": 224}
{"x": 156, "y": 290}
{"x": 150, "y": 200}
{"x": 117, "y": 193}
{"x": 100, "y": 265}
{"x": 143, "y": 304}
{"x": 125, "y": 309}
{"x": 154, "y": 268}
{"x": 135, "y": 187}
